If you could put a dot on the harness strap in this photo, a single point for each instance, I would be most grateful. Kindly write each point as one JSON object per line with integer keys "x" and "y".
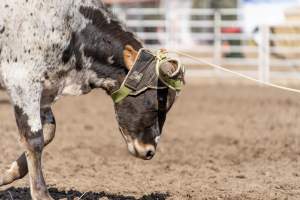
{"x": 130, "y": 85}
{"x": 171, "y": 83}
{"x": 174, "y": 84}
{"x": 120, "y": 94}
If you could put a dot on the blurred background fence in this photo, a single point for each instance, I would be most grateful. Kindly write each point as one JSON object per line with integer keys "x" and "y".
{"x": 220, "y": 35}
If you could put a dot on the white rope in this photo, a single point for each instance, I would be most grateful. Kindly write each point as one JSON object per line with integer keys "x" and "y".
{"x": 235, "y": 73}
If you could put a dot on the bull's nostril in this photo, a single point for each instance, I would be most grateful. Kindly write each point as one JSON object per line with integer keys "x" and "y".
{"x": 144, "y": 151}
{"x": 150, "y": 154}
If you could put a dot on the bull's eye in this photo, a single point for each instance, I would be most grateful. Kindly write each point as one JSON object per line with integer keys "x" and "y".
{"x": 148, "y": 104}
{"x": 162, "y": 103}
{"x": 161, "y": 99}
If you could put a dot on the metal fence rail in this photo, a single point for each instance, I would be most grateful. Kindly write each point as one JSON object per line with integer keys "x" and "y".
{"x": 219, "y": 36}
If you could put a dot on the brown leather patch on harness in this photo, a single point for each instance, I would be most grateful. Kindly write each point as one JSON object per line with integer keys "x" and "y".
{"x": 141, "y": 73}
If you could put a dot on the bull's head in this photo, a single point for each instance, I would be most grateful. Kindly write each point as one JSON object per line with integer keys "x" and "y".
{"x": 144, "y": 99}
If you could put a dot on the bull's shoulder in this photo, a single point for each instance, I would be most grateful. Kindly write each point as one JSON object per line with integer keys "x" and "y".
{"x": 37, "y": 32}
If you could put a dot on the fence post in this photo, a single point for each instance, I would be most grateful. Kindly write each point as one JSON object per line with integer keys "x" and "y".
{"x": 168, "y": 27}
{"x": 217, "y": 57}
{"x": 264, "y": 54}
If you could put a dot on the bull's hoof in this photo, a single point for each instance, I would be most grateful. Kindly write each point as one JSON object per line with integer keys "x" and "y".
{"x": 41, "y": 196}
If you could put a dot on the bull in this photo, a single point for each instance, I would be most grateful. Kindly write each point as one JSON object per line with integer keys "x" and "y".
{"x": 53, "y": 48}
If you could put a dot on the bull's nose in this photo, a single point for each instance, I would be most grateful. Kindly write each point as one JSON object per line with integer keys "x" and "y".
{"x": 144, "y": 151}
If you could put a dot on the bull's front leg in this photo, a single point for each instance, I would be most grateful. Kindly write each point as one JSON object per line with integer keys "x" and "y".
{"x": 30, "y": 128}
{"x": 26, "y": 98}
{"x": 18, "y": 169}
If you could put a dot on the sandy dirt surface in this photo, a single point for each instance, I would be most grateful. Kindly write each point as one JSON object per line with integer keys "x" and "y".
{"x": 220, "y": 143}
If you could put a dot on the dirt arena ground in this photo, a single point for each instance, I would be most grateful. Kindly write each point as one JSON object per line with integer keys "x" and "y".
{"x": 221, "y": 142}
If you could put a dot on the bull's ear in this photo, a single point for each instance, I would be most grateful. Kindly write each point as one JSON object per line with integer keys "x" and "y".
{"x": 129, "y": 55}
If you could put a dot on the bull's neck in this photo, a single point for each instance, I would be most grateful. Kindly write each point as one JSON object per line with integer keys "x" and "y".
{"x": 113, "y": 72}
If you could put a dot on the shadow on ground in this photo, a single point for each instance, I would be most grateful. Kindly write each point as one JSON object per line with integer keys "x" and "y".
{"x": 24, "y": 194}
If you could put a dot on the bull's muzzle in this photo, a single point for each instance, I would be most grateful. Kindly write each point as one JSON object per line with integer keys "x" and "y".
{"x": 144, "y": 151}
{"x": 137, "y": 148}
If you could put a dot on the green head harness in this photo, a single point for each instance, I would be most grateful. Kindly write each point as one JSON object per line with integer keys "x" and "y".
{"x": 151, "y": 71}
